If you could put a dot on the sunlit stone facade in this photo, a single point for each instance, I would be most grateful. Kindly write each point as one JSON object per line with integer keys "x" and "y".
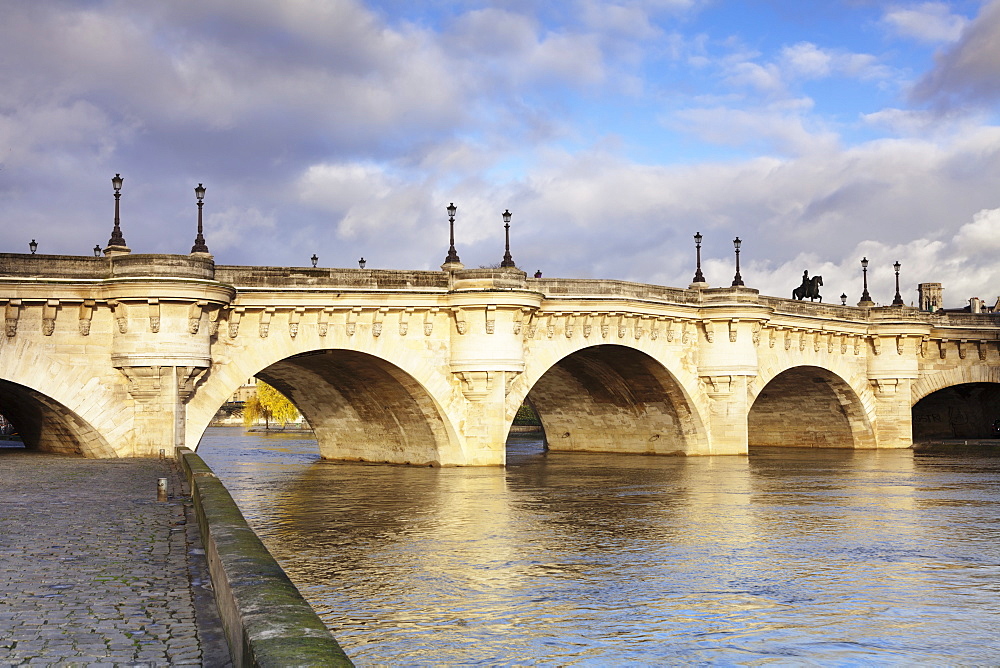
{"x": 130, "y": 355}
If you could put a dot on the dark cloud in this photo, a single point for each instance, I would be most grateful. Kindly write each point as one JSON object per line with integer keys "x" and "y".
{"x": 967, "y": 74}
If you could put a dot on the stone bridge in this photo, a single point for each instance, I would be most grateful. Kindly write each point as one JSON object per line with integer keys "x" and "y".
{"x": 129, "y": 354}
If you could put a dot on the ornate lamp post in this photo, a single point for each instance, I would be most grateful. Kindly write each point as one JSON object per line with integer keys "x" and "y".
{"x": 698, "y": 276}
{"x": 116, "y": 244}
{"x": 361, "y": 263}
{"x": 452, "y": 257}
{"x": 508, "y": 261}
{"x": 32, "y": 246}
{"x": 897, "y": 300}
{"x": 843, "y": 299}
{"x": 199, "y": 241}
{"x": 314, "y": 259}
{"x": 866, "y": 299}
{"x": 737, "y": 280}
{"x": 97, "y": 250}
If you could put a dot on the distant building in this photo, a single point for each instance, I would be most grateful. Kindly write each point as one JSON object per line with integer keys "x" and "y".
{"x": 930, "y": 296}
{"x": 931, "y": 301}
{"x": 244, "y": 392}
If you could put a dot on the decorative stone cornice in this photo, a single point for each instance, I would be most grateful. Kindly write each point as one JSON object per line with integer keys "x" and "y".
{"x": 11, "y": 314}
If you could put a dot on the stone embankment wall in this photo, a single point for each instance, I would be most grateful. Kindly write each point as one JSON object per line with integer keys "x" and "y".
{"x": 267, "y": 622}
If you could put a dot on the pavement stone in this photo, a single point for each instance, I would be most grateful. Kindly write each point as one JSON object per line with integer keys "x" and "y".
{"x": 94, "y": 571}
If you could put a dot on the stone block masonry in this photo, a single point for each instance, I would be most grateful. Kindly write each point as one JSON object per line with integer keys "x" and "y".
{"x": 126, "y": 355}
{"x": 266, "y": 620}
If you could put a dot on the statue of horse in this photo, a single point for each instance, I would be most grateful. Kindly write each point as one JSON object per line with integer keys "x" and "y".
{"x": 809, "y": 289}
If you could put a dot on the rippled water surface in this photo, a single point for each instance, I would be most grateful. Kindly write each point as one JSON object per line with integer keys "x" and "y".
{"x": 786, "y": 556}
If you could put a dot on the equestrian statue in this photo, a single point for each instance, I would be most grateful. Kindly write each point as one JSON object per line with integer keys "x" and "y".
{"x": 809, "y": 288}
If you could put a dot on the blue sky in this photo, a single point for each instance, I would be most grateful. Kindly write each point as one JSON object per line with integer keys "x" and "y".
{"x": 817, "y": 132}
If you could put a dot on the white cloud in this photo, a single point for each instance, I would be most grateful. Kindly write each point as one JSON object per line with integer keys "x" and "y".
{"x": 765, "y": 78}
{"x": 927, "y": 22}
{"x": 803, "y": 61}
{"x": 237, "y": 226}
{"x": 624, "y": 21}
{"x": 890, "y": 200}
{"x": 807, "y": 60}
{"x": 514, "y": 50}
{"x": 345, "y": 75}
{"x": 981, "y": 237}
{"x": 780, "y": 127}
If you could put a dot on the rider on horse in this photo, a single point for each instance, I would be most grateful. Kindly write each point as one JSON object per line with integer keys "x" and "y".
{"x": 809, "y": 287}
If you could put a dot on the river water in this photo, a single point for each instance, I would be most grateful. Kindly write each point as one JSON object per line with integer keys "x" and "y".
{"x": 790, "y": 556}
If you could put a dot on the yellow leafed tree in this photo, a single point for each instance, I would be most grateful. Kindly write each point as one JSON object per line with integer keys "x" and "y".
{"x": 268, "y": 404}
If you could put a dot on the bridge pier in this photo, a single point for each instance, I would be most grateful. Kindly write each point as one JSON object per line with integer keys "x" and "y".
{"x": 484, "y": 422}
{"x": 728, "y": 408}
{"x": 159, "y": 414}
{"x": 893, "y": 414}
{"x": 892, "y": 367}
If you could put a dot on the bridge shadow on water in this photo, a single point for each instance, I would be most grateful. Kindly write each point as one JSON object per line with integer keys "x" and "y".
{"x": 526, "y": 448}
{"x": 13, "y": 443}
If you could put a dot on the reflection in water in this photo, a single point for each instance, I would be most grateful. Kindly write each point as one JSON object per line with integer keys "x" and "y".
{"x": 831, "y": 556}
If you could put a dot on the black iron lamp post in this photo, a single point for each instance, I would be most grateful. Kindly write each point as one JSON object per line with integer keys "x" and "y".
{"x": 737, "y": 280}
{"x": 199, "y": 241}
{"x": 866, "y": 299}
{"x": 97, "y": 250}
{"x": 452, "y": 256}
{"x": 117, "y": 240}
{"x": 698, "y": 276}
{"x": 314, "y": 259}
{"x": 361, "y": 263}
{"x": 508, "y": 261}
{"x": 32, "y": 246}
{"x": 897, "y": 300}
{"x": 843, "y": 299}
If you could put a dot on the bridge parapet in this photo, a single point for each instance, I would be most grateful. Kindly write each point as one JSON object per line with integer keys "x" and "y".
{"x": 312, "y": 278}
{"x": 600, "y": 288}
{"x": 62, "y": 268}
{"x": 30, "y": 268}
{"x": 491, "y": 280}
{"x": 815, "y": 309}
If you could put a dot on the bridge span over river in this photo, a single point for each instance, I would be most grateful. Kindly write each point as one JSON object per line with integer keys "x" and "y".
{"x": 129, "y": 354}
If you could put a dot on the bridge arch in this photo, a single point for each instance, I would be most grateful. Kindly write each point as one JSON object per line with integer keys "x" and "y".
{"x": 71, "y": 406}
{"x": 47, "y": 425}
{"x": 361, "y": 405}
{"x": 612, "y": 398}
{"x": 809, "y": 406}
{"x": 929, "y": 383}
{"x": 957, "y": 403}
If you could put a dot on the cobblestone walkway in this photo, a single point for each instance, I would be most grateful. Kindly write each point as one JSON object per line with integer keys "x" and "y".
{"x": 94, "y": 571}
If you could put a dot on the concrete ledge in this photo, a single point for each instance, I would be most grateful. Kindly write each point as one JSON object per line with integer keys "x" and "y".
{"x": 266, "y": 620}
